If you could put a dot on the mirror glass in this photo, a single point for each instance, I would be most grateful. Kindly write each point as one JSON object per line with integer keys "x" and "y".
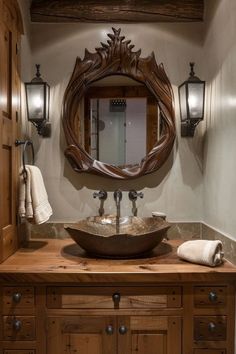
{"x": 121, "y": 121}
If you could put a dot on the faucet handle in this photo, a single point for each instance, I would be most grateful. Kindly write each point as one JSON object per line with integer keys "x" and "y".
{"x": 133, "y": 195}
{"x": 102, "y": 194}
{"x": 140, "y": 195}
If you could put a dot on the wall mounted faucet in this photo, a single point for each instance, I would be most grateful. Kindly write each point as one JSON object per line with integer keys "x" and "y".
{"x": 117, "y": 197}
{"x": 133, "y": 196}
{"x": 102, "y": 196}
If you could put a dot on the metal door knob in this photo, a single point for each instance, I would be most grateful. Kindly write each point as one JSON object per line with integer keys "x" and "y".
{"x": 109, "y": 330}
{"x": 116, "y": 298}
{"x": 16, "y": 297}
{"x": 211, "y": 327}
{"x": 212, "y": 296}
{"x": 122, "y": 330}
{"x": 17, "y": 325}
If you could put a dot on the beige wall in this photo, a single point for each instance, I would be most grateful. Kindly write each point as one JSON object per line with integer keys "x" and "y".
{"x": 177, "y": 188}
{"x": 219, "y": 62}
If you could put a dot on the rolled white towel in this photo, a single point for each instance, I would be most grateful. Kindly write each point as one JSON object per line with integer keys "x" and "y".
{"x": 202, "y": 252}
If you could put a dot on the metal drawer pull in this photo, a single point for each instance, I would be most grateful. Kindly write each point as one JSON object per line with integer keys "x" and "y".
{"x": 212, "y": 296}
{"x": 17, "y": 325}
{"x": 109, "y": 330}
{"x": 116, "y": 298}
{"x": 211, "y": 327}
{"x": 16, "y": 297}
{"x": 122, "y": 330}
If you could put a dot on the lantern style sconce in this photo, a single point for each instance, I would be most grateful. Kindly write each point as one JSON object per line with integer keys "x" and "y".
{"x": 191, "y": 100}
{"x": 37, "y": 100}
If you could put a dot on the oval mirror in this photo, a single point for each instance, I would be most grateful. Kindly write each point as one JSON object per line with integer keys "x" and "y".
{"x": 118, "y": 115}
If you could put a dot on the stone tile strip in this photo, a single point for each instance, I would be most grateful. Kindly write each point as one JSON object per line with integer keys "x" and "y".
{"x": 229, "y": 245}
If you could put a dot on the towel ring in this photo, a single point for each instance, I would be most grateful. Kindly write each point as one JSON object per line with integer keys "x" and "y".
{"x": 25, "y": 143}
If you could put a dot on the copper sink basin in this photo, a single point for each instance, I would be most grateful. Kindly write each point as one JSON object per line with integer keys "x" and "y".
{"x": 136, "y": 236}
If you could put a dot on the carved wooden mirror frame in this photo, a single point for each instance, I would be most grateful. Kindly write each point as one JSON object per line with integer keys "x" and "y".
{"x": 117, "y": 58}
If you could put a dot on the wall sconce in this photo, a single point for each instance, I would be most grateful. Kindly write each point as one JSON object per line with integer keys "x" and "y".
{"x": 37, "y": 101}
{"x": 191, "y": 100}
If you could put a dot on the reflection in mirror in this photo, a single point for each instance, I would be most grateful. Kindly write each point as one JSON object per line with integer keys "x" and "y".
{"x": 118, "y": 130}
{"x": 121, "y": 121}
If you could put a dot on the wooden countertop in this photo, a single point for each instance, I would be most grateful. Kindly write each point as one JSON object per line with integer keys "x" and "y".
{"x": 62, "y": 261}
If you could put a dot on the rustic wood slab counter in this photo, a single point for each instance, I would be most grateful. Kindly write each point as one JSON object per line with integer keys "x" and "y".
{"x": 47, "y": 260}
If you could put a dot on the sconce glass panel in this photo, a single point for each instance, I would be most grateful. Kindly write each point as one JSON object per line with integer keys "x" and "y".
{"x": 196, "y": 100}
{"x": 183, "y": 102}
{"x": 35, "y": 94}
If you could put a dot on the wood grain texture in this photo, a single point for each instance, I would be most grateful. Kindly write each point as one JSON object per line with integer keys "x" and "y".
{"x": 209, "y": 351}
{"x": 63, "y": 261}
{"x": 148, "y": 330}
{"x": 83, "y": 334}
{"x": 27, "y": 298}
{"x": 202, "y": 331}
{"x": 26, "y": 332}
{"x": 23, "y": 351}
{"x": 117, "y": 11}
{"x": 10, "y": 29}
{"x": 102, "y": 297}
{"x": 143, "y": 343}
{"x": 202, "y": 296}
{"x": 117, "y": 58}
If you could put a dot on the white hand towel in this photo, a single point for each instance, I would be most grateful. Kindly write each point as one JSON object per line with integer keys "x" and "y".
{"x": 28, "y": 196}
{"x": 202, "y": 252}
{"x": 34, "y": 203}
{"x": 22, "y": 196}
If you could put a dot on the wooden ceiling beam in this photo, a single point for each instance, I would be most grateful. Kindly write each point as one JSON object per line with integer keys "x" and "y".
{"x": 128, "y": 11}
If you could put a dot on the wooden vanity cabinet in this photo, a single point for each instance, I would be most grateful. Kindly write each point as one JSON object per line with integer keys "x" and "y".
{"x": 114, "y": 320}
{"x": 50, "y": 304}
{"x": 124, "y": 319}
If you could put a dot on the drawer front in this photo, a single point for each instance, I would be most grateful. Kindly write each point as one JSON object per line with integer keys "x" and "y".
{"x": 21, "y": 297}
{"x": 110, "y": 298}
{"x": 210, "y": 296}
{"x": 18, "y": 328}
{"x": 20, "y": 351}
{"x": 209, "y": 351}
{"x": 210, "y": 328}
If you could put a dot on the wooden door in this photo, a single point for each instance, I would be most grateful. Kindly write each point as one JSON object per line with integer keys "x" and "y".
{"x": 81, "y": 335}
{"x": 9, "y": 114}
{"x": 149, "y": 335}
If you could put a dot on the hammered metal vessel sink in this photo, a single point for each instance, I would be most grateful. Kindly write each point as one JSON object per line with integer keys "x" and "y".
{"x": 103, "y": 237}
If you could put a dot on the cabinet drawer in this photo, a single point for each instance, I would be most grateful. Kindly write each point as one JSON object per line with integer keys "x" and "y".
{"x": 209, "y": 351}
{"x": 18, "y": 328}
{"x": 110, "y": 298}
{"x": 207, "y": 328}
{"x": 21, "y": 297}
{"x": 20, "y": 351}
{"x": 210, "y": 296}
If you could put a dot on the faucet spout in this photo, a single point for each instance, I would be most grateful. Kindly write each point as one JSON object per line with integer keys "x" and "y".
{"x": 117, "y": 198}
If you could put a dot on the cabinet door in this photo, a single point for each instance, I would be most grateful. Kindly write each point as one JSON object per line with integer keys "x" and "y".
{"x": 9, "y": 111}
{"x": 149, "y": 335}
{"x": 81, "y": 335}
